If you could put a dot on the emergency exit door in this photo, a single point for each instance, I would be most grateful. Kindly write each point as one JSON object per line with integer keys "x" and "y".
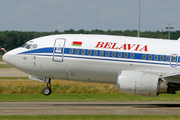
{"x": 174, "y": 60}
{"x": 58, "y": 51}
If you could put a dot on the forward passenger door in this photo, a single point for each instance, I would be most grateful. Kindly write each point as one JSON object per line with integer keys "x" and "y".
{"x": 58, "y": 51}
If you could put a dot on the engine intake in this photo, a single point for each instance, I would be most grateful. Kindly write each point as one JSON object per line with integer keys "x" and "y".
{"x": 140, "y": 83}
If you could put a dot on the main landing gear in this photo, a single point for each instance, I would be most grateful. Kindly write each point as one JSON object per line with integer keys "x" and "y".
{"x": 47, "y": 90}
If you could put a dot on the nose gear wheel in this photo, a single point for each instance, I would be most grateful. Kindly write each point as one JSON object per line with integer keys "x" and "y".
{"x": 47, "y": 91}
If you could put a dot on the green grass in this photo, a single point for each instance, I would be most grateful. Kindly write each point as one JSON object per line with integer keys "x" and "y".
{"x": 90, "y": 117}
{"x": 25, "y": 90}
{"x": 85, "y": 97}
{"x": 1, "y": 58}
{"x": 24, "y": 86}
{"x": 5, "y": 66}
{"x": 13, "y": 78}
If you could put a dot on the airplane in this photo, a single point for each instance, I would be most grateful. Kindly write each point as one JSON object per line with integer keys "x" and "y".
{"x": 3, "y": 50}
{"x": 135, "y": 65}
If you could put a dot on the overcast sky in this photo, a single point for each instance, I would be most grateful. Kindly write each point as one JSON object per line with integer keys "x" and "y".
{"x": 51, "y": 15}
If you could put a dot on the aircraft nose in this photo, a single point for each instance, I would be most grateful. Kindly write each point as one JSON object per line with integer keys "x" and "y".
{"x": 9, "y": 58}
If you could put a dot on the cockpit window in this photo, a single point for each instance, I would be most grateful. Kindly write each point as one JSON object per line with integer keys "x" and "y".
{"x": 28, "y": 46}
{"x": 24, "y": 45}
{"x": 34, "y": 46}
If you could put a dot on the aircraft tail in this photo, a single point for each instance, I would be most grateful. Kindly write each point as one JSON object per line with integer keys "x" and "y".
{"x": 3, "y": 50}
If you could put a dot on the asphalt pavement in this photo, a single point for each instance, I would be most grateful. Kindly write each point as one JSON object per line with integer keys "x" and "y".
{"x": 89, "y": 108}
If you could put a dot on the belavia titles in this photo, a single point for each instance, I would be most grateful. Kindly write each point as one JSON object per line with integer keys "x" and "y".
{"x": 126, "y": 46}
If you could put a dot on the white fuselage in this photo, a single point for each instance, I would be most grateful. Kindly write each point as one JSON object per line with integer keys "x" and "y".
{"x": 95, "y": 58}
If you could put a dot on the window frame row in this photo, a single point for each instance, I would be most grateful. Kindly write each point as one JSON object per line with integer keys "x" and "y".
{"x": 121, "y": 55}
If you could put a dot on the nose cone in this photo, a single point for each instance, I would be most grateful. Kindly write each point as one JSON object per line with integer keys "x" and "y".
{"x": 9, "y": 58}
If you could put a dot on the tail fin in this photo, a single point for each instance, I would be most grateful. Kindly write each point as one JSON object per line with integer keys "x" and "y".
{"x": 3, "y": 50}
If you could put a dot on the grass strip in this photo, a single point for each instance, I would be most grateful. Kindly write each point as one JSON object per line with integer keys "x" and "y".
{"x": 90, "y": 117}
{"x": 26, "y": 90}
{"x": 1, "y": 58}
{"x": 14, "y": 78}
{"x": 25, "y": 86}
{"x": 84, "y": 97}
{"x": 6, "y": 66}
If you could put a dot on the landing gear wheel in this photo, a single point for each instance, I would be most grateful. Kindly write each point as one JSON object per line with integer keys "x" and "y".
{"x": 47, "y": 91}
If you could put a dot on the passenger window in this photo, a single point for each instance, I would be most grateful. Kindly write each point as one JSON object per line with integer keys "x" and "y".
{"x": 167, "y": 58}
{"x": 150, "y": 57}
{"x": 125, "y": 55}
{"x": 107, "y": 54}
{"x": 101, "y": 53}
{"x": 83, "y": 52}
{"x": 89, "y": 52}
{"x": 77, "y": 51}
{"x": 119, "y": 54}
{"x": 131, "y": 55}
{"x": 144, "y": 56}
{"x": 113, "y": 54}
{"x": 162, "y": 58}
{"x": 71, "y": 51}
{"x": 156, "y": 57}
{"x": 95, "y": 53}
{"x": 28, "y": 46}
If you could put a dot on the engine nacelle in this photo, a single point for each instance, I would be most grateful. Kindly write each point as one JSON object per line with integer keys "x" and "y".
{"x": 139, "y": 83}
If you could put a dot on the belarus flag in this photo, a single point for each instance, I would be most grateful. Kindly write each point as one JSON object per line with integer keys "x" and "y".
{"x": 76, "y": 43}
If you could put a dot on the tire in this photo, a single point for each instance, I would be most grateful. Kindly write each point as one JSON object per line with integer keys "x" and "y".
{"x": 47, "y": 91}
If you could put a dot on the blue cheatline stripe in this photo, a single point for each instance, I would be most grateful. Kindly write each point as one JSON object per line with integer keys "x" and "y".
{"x": 98, "y": 53}
{"x": 40, "y": 50}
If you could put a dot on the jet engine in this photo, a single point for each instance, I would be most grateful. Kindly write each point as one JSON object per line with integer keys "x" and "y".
{"x": 141, "y": 83}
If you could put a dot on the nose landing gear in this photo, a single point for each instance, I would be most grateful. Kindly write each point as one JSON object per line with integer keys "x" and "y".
{"x": 47, "y": 90}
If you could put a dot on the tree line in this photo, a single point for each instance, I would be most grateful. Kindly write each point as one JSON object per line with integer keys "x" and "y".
{"x": 13, "y": 39}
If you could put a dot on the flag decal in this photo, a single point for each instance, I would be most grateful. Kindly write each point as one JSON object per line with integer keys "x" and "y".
{"x": 75, "y": 43}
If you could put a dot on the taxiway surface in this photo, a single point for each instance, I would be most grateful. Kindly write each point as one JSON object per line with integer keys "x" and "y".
{"x": 11, "y": 72}
{"x": 83, "y": 108}
{"x": 89, "y": 108}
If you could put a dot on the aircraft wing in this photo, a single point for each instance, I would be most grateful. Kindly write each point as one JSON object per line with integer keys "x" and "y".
{"x": 177, "y": 74}
{"x": 172, "y": 77}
